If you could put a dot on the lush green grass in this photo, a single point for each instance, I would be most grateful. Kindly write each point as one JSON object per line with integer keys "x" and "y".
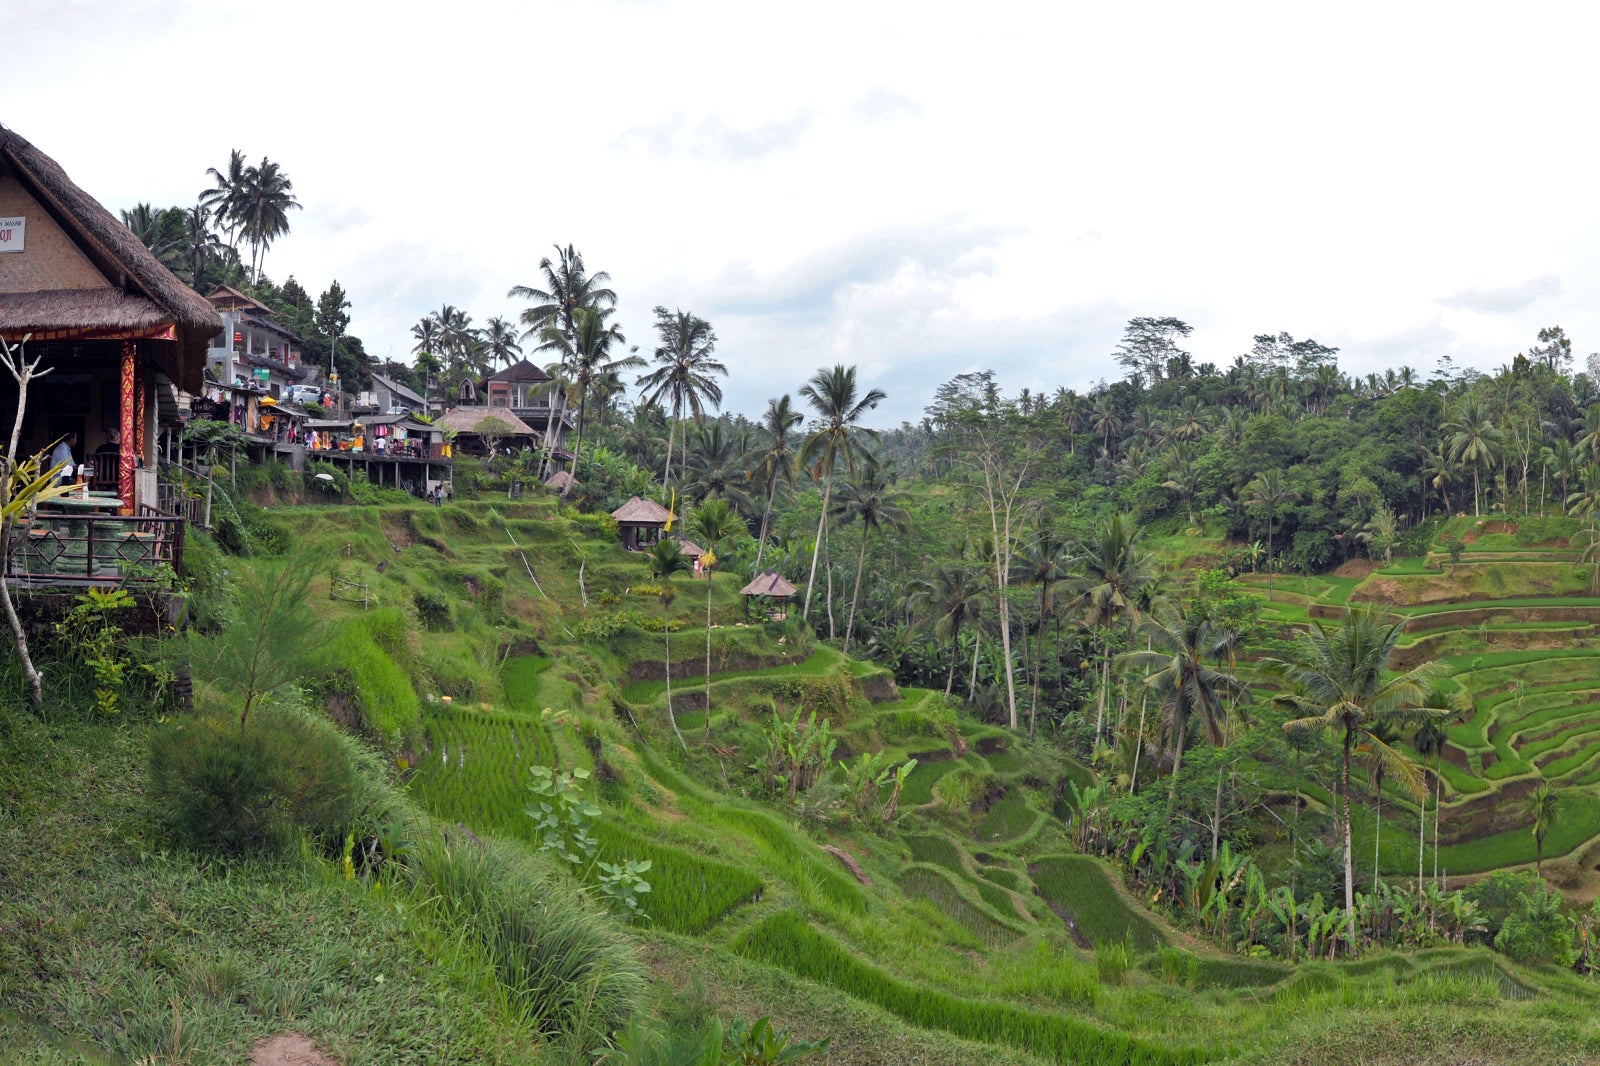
{"x": 785, "y": 939}
{"x": 687, "y": 892}
{"x": 816, "y": 664}
{"x": 1010, "y": 817}
{"x": 1580, "y": 820}
{"x": 919, "y": 784}
{"x": 1081, "y": 887}
{"x": 934, "y": 884}
{"x": 938, "y": 850}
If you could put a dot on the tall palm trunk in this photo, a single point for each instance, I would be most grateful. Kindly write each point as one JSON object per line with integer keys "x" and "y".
{"x": 1038, "y": 668}
{"x": 955, "y": 646}
{"x": 672, "y": 436}
{"x": 1349, "y": 863}
{"x": 1422, "y": 836}
{"x": 1177, "y": 761}
{"x": 666, "y": 632}
{"x": 708, "y": 650}
{"x": 766, "y": 517}
{"x": 855, "y": 594}
{"x": 816, "y": 549}
{"x": 972, "y": 681}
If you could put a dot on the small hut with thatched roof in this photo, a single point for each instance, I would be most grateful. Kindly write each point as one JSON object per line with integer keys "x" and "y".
{"x": 641, "y": 522}
{"x": 559, "y": 481}
{"x": 478, "y": 428}
{"x": 771, "y": 587}
{"x": 118, "y": 331}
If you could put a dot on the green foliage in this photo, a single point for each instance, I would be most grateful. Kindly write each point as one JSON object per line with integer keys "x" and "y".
{"x": 1080, "y": 886}
{"x": 91, "y": 635}
{"x": 226, "y": 789}
{"x": 432, "y": 611}
{"x": 1113, "y": 959}
{"x": 785, "y": 939}
{"x": 1537, "y": 930}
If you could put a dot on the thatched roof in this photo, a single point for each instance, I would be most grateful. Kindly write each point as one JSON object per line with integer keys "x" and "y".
{"x": 522, "y": 370}
{"x": 138, "y": 294}
{"x": 642, "y": 512}
{"x": 465, "y": 419}
{"x": 559, "y": 480}
{"x": 227, "y": 298}
{"x": 689, "y": 549}
{"x": 770, "y": 583}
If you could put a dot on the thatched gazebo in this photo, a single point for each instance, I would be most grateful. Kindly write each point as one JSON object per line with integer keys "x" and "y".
{"x": 641, "y": 522}
{"x": 559, "y": 481}
{"x": 474, "y": 436}
{"x": 771, "y": 587}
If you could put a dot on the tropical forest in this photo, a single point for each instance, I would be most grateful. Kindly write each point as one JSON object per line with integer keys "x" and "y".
{"x": 1242, "y": 713}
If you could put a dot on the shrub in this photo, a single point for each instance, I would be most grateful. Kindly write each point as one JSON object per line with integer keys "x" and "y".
{"x": 432, "y": 611}
{"x": 1537, "y": 931}
{"x": 229, "y": 790}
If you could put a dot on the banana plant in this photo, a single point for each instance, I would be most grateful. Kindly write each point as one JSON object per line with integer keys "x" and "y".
{"x": 902, "y": 772}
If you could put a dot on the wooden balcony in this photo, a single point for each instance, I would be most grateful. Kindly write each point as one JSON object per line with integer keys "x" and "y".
{"x": 57, "y": 548}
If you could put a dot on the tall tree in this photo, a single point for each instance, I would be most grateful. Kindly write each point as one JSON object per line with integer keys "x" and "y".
{"x": 947, "y": 602}
{"x": 263, "y": 210}
{"x": 1268, "y": 491}
{"x": 774, "y": 462}
{"x": 1474, "y": 440}
{"x": 1148, "y": 344}
{"x": 666, "y": 561}
{"x": 1542, "y": 806}
{"x": 1044, "y": 565}
{"x": 567, "y": 287}
{"x": 1116, "y": 574}
{"x": 1340, "y": 679}
{"x": 590, "y": 352}
{"x": 226, "y": 196}
{"x": 870, "y": 500}
{"x": 839, "y": 407}
{"x": 713, "y": 523}
{"x": 685, "y": 372}
{"x": 501, "y": 338}
{"x": 1181, "y": 667}
{"x": 332, "y": 317}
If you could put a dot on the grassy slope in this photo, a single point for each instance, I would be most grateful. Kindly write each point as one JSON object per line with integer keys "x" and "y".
{"x": 946, "y": 973}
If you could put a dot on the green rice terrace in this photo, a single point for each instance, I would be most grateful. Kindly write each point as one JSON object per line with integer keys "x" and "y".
{"x": 953, "y": 913}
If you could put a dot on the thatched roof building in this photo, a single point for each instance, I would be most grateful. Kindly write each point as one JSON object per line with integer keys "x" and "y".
{"x": 83, "y": 275}
{"x": 558, "y": 481}
{"x": 641, "y": 522}
{"x": 119, "y": 330}
{"x": 770, "y": 584}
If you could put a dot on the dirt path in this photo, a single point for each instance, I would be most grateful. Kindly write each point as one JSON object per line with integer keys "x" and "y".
{"x": 289, "y": 1049}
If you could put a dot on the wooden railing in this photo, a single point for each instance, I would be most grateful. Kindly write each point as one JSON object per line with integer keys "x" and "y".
{"x": 55, "y": 548}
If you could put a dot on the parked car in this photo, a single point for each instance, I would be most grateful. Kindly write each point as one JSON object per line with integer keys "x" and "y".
{"x": 302, "y": 393}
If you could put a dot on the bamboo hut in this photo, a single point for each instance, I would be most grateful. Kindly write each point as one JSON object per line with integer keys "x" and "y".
{"x": 641, "y": 522}
{"x": 771, "y": 587}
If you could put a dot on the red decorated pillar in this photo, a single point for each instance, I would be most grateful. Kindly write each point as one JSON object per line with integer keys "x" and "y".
{"x": 125, "y": 447}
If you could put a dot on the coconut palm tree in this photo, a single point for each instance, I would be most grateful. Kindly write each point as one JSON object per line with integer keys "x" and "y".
{"x": 1268, "y": 491}
{"x": 263, "y": 210}
{"x": 500, "y": 337}
{"x": 587, "y": 354}
{"x": 567, "y": 287}
{"x": 774, "y": 461}
{"x": 685, "y": 372}
{"x": 1116, "y": 574}
{"x": 1180, "y": 669}
{"x": 871, "y": 501}
{"x": 199, "y": 243}
{"x": 833, "y": 395}
{"x": 715, "y": 469}
{"x": 153, "y": 229}
{"x": 1105, "y": 420}
{"x": 1474, "y": 440}
{"x": 666, "y": 559}
{"x": 947, "y": 602}
{"x": 1429, "y": 740}
{"x": 1044, "y": 563}
{"x": 226, "y": 195}
{"x": 1341, "y": 680}
{"x": 713, "y": 523}
{"x": 1543, "y": 805}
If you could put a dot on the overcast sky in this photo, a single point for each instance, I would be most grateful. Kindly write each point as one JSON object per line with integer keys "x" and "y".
{"x": 920, "y": 189}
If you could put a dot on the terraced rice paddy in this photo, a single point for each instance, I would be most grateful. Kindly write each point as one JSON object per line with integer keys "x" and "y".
{"x": 1078, "y": 888}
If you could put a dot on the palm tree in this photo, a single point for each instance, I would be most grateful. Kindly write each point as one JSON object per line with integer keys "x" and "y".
{"x": 226, "y": 196}
{"x": 666, "y": 559}
{"x": 1105, "y": 420}
{"x": 1429, "y": 741}
{"x": 685, "y": 370}
{"x": 832, "y": 395}
{"x": 1044, "y": 564}
{"x": 713, "y": 523}
{"x": 774, "y": 462}
{"x": 1474, "y": 441}
{"x": 1340, "y": 680}
{"x": 1179, "y": 670}
{"x": 500, "y": 337}
{"x": 877, "y": 506}
{"x": 263, "y": 208}
{"x": 1267, "y": 490}
{"x": 200, "y": 245}
{"x": 586, "y": 355}
{"x": 947, "y": 601}
{"x": 151, "y": 229}
{"x": 1116, "y": 573}
{"x": 715, "y": 469}
{"x": 1543, "y": 806}
{"x": 567, "y": 287}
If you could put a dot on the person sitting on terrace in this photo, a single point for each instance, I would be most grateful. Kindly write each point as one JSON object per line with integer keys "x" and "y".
{"x": 62, "y": 453}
